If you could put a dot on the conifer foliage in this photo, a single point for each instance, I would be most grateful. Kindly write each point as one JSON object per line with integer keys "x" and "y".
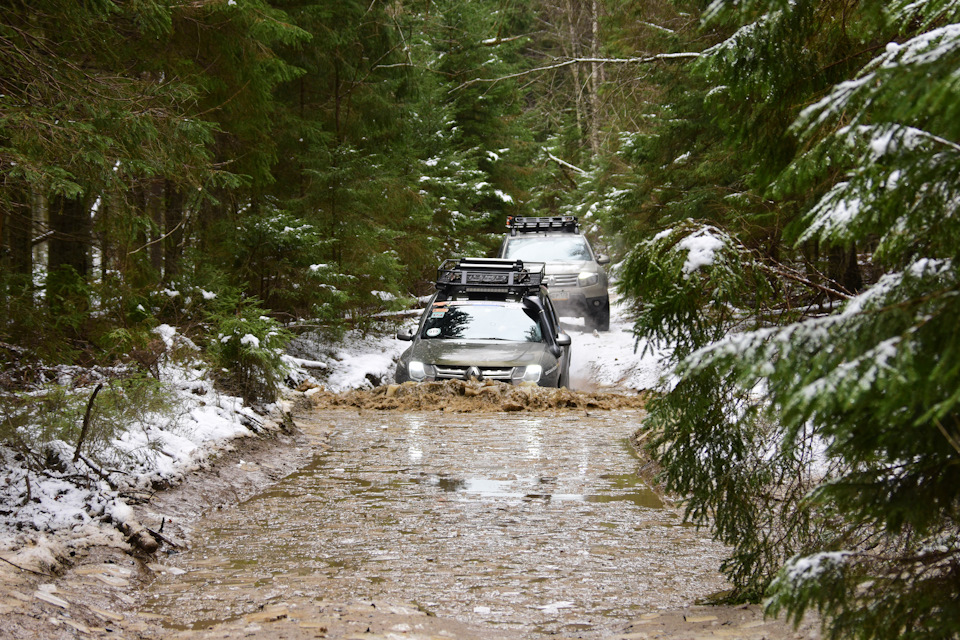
{"x": 824, "y": 440}
{"x": 781, "y": 177}
{"x": 311, "y": 157}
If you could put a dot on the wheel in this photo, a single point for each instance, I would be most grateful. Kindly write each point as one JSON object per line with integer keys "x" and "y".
{"x": 599, "y": 319}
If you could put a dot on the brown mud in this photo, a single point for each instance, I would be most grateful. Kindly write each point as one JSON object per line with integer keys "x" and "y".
{"x": 460, "y": 396}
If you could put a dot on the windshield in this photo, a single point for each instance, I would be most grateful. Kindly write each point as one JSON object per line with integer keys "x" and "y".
{"x": 570, "y": 248}
{"x": 482, "y": 321}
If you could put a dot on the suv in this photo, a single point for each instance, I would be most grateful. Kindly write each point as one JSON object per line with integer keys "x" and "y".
{"x": 574, "y": 273}
{"x": 490, "y": 319}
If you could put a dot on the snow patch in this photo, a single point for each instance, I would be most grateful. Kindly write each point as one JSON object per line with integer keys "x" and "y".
{"x": 810, "y": 568}
{"x": 701, "y": 248}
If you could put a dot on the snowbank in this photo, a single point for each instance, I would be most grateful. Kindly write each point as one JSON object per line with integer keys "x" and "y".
{"x": 77, "y": 504}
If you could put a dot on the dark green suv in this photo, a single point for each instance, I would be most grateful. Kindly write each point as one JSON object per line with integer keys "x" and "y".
{"x": 490, "y": 319}
{"x": 574, "y": 273}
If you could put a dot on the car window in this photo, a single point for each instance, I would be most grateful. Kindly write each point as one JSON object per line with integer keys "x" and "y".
{"x": 568, "y": 248}
{"x": 481, "y": 321}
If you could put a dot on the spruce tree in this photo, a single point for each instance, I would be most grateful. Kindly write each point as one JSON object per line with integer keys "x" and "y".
{"x": 84, "y": 115}
{"x": 823, "y": 446}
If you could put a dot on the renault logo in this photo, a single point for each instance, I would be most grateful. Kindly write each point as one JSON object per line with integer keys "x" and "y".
{"x": 473, "y": 373}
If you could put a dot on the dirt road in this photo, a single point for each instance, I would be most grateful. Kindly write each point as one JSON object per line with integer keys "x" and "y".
{"x": 398, "y": 524}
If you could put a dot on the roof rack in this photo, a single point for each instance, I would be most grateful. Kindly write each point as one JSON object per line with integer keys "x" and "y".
{"x": 489, "y": 275}
{"x": 542, "y": 223}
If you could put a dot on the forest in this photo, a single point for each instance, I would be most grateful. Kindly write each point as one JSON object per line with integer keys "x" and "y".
{"x": 245, "y": 170}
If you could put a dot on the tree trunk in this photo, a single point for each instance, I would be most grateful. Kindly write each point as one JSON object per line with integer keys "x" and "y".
{"x": 16, "y": 251}
{"x": 69, "y": 263}
{"x": 70, "y": 244}
{"x": 844, "y": 269}
{"x": 16, "y": 231}
{"x": 574, "y": 52}
{"x": 173, "y": 226}
{"x": 601, "y": 69}
{"x": 596, "y": 69}
{"x": 155, "y": 210}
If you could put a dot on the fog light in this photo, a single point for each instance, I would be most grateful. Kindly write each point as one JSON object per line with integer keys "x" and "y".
{"x": 416, "y": 370}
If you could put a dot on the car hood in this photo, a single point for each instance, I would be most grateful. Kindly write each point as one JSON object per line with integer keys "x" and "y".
{"x": 488, "y": 353}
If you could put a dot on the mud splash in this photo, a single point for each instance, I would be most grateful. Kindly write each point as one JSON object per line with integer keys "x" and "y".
{"x": 459, "y": 396}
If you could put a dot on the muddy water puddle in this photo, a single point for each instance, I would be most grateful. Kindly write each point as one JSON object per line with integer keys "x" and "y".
{"x": 536, "y": 524}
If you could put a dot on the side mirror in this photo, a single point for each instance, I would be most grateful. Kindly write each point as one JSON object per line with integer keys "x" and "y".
{"x": 407, "y": 334}
{"x": 602, "y": 258}
{"x": 563, "y": 340}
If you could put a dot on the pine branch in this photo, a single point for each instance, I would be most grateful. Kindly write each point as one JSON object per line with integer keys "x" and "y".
{"x": 158, "y": 240}
{"x": 163, "y": 538}
{"x": 783, "y": 271}
{"x": 99, "y": 472}
{"x": 492, "y": 42}
{"x": 954, "y": 442}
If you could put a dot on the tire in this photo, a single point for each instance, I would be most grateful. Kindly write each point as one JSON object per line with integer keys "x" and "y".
{"x": 599, "y": 319}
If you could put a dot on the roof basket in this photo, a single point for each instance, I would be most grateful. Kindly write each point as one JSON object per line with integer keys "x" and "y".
{"x": 490, "y": 275}
{"x": 542, "y": 223}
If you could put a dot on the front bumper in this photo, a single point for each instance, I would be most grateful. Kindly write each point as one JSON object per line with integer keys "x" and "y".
{"x": 576, "y": 303}
{"x": 508, "y": 374}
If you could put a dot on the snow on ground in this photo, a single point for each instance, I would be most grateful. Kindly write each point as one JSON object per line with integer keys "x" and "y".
{"x": 612, "y": 360}
{"x": 363, "y": 362}
{"x": 43, "y": 518}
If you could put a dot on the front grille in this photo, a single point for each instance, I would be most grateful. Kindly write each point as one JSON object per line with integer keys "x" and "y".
{"x": 562, "y": 280}
{"x": 489, "y": 373}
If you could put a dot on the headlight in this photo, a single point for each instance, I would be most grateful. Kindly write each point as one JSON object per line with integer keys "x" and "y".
{"x": 530, "y": 373}
{"x": 417, "y": 370}
{"x": 586, "y": 278}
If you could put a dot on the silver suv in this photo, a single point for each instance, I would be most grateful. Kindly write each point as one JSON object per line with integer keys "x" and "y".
{"x": 489, "y": 320}
{"x": 574, "y": 273}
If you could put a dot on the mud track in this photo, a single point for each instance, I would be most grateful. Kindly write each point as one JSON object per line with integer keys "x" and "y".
{"x": 101, "y": 595}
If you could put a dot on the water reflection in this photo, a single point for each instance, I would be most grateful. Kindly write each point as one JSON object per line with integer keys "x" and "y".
{"x": 488, "y": 519}
{"x": 414, "y": 446}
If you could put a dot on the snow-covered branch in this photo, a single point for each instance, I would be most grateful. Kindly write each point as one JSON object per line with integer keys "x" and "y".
{"x": 564, "y": 163}
{"x": 492, "y": 42}
{"x": 567, "y": 62}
